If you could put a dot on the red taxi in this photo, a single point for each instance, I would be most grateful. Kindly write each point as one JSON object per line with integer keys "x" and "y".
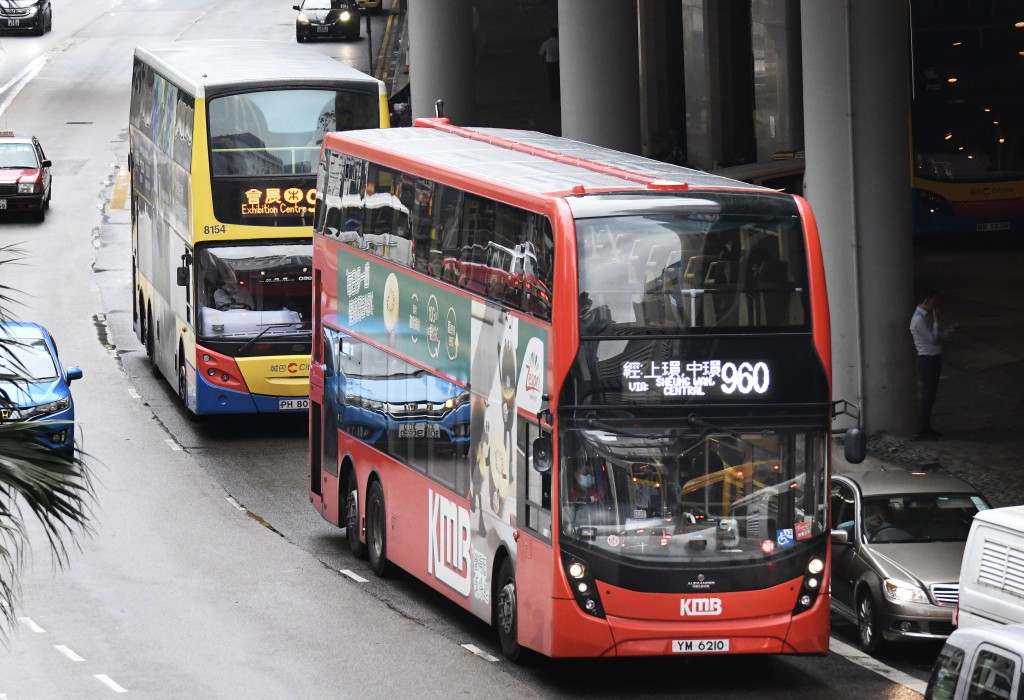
{"x": 24, "y": 175}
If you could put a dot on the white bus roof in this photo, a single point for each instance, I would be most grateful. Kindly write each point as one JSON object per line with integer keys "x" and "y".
{"x": 532, "y": 161}
{"x": 197, "y": 66}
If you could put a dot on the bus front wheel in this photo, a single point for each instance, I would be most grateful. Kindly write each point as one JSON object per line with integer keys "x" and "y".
{"x": 376, "y": 531}
{"x": 506, "y": 615}
{"x": 356, "y": 545}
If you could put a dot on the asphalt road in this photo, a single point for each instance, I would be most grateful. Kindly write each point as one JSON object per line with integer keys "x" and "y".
{"x": 208, "y": 573}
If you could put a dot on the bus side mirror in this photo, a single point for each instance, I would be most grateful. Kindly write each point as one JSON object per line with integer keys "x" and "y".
{"x": 182, "y": 273}
{"x": 542, "y": 455}
{"x": 855, "y": 446}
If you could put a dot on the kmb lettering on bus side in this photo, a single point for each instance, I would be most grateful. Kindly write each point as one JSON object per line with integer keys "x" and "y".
{"x": 697, "y": 607}
{"x": 449, "y": 557}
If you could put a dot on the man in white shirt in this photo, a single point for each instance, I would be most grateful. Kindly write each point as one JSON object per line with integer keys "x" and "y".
{"x": 928, "y": 332}
{"x": 549, "y": 55}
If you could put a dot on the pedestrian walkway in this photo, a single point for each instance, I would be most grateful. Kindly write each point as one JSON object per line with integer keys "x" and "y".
{"x": 980, "y": 407}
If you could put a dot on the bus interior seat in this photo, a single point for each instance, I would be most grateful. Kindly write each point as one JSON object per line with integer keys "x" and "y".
{"x": 722, "y": 300}
{"x": 774, "y": 292}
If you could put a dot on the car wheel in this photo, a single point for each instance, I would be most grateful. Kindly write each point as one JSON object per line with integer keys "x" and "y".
{"x": 299, "y": 38}
{"x": 355, "y": 545}
{"x": 506, "y": 614}
{"x": 41, "y": 214}
{"x": 868, "y": 634}
{"x": 377, "y": 531}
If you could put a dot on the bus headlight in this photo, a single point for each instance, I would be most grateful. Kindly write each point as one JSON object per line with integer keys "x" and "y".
{"x": 582, "y": 585}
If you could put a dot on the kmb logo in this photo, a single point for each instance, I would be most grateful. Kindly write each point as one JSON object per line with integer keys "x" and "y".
{"x": 692, "y": 607}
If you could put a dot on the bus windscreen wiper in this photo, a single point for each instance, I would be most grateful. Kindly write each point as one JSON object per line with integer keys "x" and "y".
{"x": 259, "y": 335}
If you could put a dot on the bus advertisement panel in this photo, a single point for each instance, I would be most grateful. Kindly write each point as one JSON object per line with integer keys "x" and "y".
{"x": 628, "y": 456}
{"x": 224, "y": 140}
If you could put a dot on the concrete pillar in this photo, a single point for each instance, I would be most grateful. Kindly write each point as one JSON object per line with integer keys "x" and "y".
{"x": 441, "y": 59}
{"x": 856, "y": 101}
{"x": 778, "y": 81}
{"x": 662, "y": 88}
{"x": 719, "y": 84}
{"x": 600, "y": 72}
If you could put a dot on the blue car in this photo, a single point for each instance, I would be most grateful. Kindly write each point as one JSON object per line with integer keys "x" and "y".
{"x": 34, "y": 384}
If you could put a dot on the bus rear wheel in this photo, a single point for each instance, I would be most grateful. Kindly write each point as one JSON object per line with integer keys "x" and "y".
{"x": 506, "y": 613}
{"x": 356, "y": 545}
{"x": 376, "y": 531}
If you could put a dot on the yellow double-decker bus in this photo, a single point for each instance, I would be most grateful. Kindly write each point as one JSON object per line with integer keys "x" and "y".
{"x": 224, "y": 141}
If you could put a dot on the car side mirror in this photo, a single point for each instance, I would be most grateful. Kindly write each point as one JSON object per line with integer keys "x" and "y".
{"x": 47, "y": 164}
{"x": 855, "y": 446}
{"x": 542, "y": 455}
{"x": 74, "y": 373}
{"x": 296, "y": 7}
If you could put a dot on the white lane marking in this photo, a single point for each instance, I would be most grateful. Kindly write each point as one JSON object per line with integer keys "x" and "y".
{"x": 134, "y": 394}
{"x": 236, "y": 504}
{"x": 353, "y": 575}
{"x": 473, "y": 648}
{"x": 872, "y": 664}
{"x": 27, "y": 621}
{"x": 107, "y": 681}
{"x": 173, "y": 445}
{"x": 67, "y": 652}
{"x": 15, "y": 84}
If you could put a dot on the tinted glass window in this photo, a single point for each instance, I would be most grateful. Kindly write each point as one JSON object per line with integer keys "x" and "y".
{"x": 946, "y": 673}
{"x": 279, "y": 132}
{"x": 677, "y": 272}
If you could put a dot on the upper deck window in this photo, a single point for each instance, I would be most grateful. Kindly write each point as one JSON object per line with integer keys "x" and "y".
{"x": 672, "y": 273}
{"x": 279, "y": 132}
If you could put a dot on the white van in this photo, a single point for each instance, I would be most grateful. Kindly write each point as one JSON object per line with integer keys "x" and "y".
{"x": 992, "y": 571}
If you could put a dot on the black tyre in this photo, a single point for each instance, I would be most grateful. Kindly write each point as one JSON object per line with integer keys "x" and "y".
{"x": 183, "y": 390}
{"x": 151, "y": 344}
{"x": 352, "y": 517}
{"x": 506, "y": 613}
{"x": 377, "y": 531}
{"x": 868, "y": 634}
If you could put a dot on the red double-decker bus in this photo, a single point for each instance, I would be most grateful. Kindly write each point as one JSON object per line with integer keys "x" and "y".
{"x": 628, "y": 456}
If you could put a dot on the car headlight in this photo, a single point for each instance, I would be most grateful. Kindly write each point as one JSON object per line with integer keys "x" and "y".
{"x": 33, "y": 11}
{"x": 302, "y": 19}
{"x": 28, "y": 188}
{"x": 904, "y": 592}
{"x": 345, "y": 16}
{"x": 46, "y": 408}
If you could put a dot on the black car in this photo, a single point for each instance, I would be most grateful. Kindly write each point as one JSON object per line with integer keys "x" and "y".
{"x": 34, "y": 16}
{"x": 326, "y": 19}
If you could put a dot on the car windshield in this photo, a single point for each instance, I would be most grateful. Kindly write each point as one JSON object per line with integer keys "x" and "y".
{"x": 17, "y": 155}
{"x": 26, "y": 358}
{"x": 920, "y": 517}
{"x": 321, "y": 4}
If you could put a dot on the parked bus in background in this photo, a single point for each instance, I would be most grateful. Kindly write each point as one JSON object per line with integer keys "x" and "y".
{"x": 628, "y": 456}
{"x": 967, "y": 117}
{"x": 224, "y": 139}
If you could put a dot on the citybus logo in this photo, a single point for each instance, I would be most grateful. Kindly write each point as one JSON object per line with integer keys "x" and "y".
{"x": 696, "y": 607}
{"x": 448, "y": 537}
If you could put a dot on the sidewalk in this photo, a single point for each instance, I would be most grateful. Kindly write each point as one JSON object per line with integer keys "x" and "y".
{"x": 980, "y": 406}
